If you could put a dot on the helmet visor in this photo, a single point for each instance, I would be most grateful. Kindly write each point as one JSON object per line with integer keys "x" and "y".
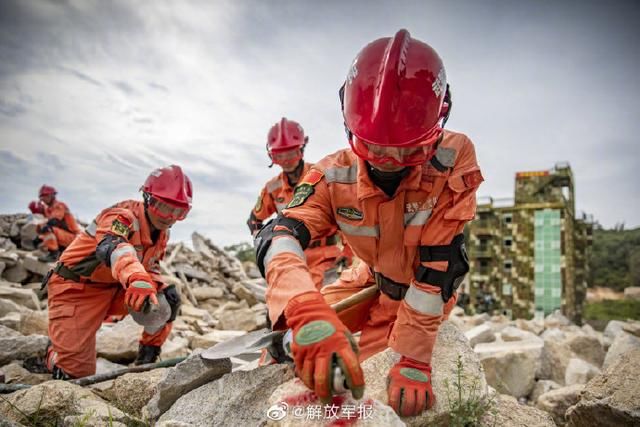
{"x": 389, "y": 155}
{"x": 166, "y": 210}
{"x": 286, "y": 158}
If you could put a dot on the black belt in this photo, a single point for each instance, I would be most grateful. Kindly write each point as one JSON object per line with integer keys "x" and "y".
{"x": 329, "y": 241}
{"x": 394, "y": 290}
{"x": 61, "y": 270}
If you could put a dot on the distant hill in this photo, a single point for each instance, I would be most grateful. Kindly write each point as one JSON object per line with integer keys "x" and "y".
{"x": 615, "y": 260}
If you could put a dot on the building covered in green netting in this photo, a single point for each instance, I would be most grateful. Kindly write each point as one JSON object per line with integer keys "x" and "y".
{"x": 529, "y": 255}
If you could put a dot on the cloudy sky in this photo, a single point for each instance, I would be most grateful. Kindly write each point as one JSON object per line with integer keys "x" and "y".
{"x": 96, "y": 94}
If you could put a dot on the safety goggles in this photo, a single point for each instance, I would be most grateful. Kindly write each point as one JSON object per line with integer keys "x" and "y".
{"x": 286, "y": 157}
{"x": 166, "y": 210}
{"x": 393, "y": 155}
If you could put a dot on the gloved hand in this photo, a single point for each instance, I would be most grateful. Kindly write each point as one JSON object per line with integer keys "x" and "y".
{"x": 320, "y": 341}
{"x": 409, "y": 387}
{"x": 139, "y": 289}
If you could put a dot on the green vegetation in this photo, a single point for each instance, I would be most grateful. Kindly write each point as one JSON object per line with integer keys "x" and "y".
{"x": 467, "y": 407}
{"x": 612, "y": 310}
{"x": 615, "y": 259}
{"x": 243, "y": 251}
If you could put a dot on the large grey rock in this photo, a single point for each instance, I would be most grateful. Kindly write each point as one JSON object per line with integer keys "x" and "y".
{"x": 587, "y": 347}
{"x": 632, "y": 328}
{"x": 244, "y": 294}
{"x": 612, "y": 398}
{"x": 24, "y": 297}
{"x": 206, "y": 292}
{"x": 554, "y": 360}
{"x": 511, "y": 333}
{"x": 511, "y": 373}
{"x": 7, "y": 332}
{"x": 555, "y": 320}
{"x": 479, "y": 334}
{"x": 14, "y": 373}
{"x": 533, "y": 326}
{"x": 32, "y": 264}
{"x": 556, "y": 402}
{"x": 541, "y": 387}
{"x": 212, "y": 338}
{"x": 613, "y": 328}
{"x": 21, "y": 347}
{"x": 478, "y": 319}
{"x": 239, "y": 398}
{"x": 11, "y": 320}
{"x": 8, "y": 306}
{"x": 175, "y": 347}
{"x": 450, "y": 344}
{"x": 555, "y": 334}
{"x": 131, "y": 392}
{"x": 61, "y": 403}
{"x": 181, "y": 379}
{"x": 33, "y": 323}
{"x": 16, "y": 273}
{"x": 507, "y": 411}
{"x": 622, "y": 344}
{"x": 119, "y": 343}
{"x": 243, "y": 319}
{"x": 579, "y": 372}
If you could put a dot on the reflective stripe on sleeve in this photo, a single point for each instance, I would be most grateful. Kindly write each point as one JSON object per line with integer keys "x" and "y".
{"x": 359, "y": 230}
{"x": 424, "y": 302}
{"x": 283, "y": 244}
{"x": 120, "y": 252}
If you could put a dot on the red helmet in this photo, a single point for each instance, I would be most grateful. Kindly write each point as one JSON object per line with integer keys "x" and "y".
{"x": 285, "y": 142}
{"x": 46, "y": 190}
{"x": 168, "y": 193}
{"x": 394, "y": 97}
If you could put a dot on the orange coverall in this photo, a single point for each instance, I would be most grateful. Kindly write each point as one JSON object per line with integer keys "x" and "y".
{"x": 322, "y": 253}
{"x": 78, "y": 307}
{"x": 429, "y": 208}
{"x": 59, "y": 237}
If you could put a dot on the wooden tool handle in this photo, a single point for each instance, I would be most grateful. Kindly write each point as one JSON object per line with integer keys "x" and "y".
{"x": 363, "y": 295}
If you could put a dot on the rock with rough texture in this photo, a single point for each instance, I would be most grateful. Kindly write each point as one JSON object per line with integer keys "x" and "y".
{"x": 61, "y": 403}
{"x": 579, "y": 372}
{"x": 103, "y": 366}
{"x": 479, "y": 334}
{"x": 554, "y": 360}
{"x": 507, "y": 411}
{"x": 511, "y": 373}
{"x": 556, "y": 402}
{"x": 244, "y": 294}
{"x": 554, "y": 334}
{"x": 611, "y": 398}
{"x": 632, "y": 328}
{"x": 175, "y": 347}
{"x": 21, "y": 347}
{"x": 587, "y": 347}
{"x": 478, "y": 319}
{"x": 511, "y": 333}
{"x": 11, "y": 320}
{"x": 632, "y": 292}
{"x": 541, "y": 387}
{"x": 243, "y": 319}
{"x": 450, "y": 344}
{"x": 533, "y": 346}
{"x": 24, "y": 297}
{"x": 181, "y": 379}
{"x": 131, "y": 392}
{"x": 622, "y": 344}
{"x": 239, "y": 398}
{"x": 14, "y": 373}
{"x": 7, "y": 332}
{"x": 34, "y": 323}
{"x": 31, "y": 263}
{"x": 614, "y": 327}
{"x": 119, "y": 343}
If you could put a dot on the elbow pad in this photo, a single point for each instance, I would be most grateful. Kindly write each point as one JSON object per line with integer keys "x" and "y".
{"x": 281, "y": 226}
{"x": 106, "y": 246}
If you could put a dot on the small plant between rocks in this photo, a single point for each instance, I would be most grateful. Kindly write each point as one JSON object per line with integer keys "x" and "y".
{"x": 467, "y": 407}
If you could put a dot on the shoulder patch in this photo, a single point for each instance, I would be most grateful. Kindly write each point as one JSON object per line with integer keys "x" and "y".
{"x": 300, "y": 195}
{"x": 350, "y": 213}
{"x": 312, "y": 177}
{"x": 258, "y": 205}
{"x": 121, "y": 226}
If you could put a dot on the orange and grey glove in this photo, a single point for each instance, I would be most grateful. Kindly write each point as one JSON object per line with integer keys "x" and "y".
{"x": 140, "y": 289}
{"x": 320, "y": 343}
{"x": 409, "y": 387}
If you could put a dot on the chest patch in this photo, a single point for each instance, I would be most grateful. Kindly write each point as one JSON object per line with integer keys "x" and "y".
{"x": 350, "y": 213}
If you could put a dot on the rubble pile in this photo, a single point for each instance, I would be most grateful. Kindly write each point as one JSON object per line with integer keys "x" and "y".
{"x": 524, "y": 372}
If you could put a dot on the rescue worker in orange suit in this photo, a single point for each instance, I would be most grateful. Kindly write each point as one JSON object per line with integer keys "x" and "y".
{"x": 285, "y": 146}
{"x": 112, "y": 269}
{"x": 401, "y": 195}
{"x": 61, "y": 227}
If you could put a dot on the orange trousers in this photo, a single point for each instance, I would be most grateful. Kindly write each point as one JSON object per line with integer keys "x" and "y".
{"x": 374, "y": 318}
{"x": 56, "y": 238}
{"x": 76, "y": 311}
